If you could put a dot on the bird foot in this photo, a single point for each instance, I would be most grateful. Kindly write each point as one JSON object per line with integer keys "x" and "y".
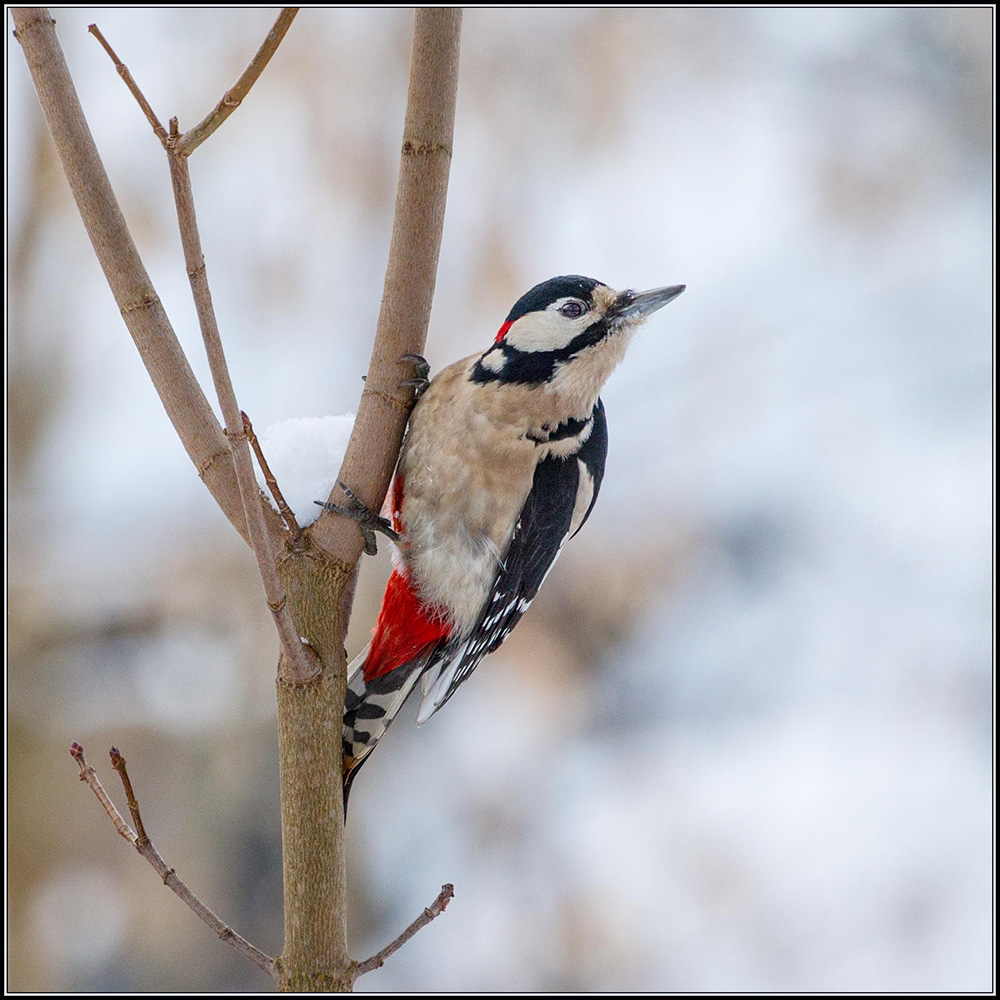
{"x": 369, "y": 521}
{"x": 420, "y": 381}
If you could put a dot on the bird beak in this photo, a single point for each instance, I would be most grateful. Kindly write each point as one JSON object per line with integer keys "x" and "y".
{"x": 638, "y": 305}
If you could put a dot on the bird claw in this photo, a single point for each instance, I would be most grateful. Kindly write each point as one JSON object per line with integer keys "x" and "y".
{"x": 422, "y": 367}
{"x": 420, "y": 381}
{"x": 367, "y": 519}
{"x": 419, "y": 385}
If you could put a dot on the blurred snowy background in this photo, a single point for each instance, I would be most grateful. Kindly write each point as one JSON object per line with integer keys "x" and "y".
{"x": 743, "y": 739}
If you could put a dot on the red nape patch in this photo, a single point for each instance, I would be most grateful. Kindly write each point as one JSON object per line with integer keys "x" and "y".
{"x": 404, "y": 629}
{"x": 502, "y": 332}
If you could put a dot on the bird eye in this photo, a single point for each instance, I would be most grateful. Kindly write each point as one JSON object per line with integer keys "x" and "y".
{"x": 571, "y": 310}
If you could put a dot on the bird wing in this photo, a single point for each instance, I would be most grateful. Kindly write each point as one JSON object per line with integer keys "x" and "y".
{"x": 561, "y": 498}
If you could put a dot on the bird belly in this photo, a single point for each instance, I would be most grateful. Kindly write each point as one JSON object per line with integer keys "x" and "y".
{"x": 452, "y": 569}
{"x": 465, "y": 480}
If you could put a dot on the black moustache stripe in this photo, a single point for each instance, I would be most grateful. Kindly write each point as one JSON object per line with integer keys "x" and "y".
{"x": 536, "y": 367}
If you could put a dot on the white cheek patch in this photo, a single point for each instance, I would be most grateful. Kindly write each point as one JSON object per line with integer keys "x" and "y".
{"x": 546, "y": 331}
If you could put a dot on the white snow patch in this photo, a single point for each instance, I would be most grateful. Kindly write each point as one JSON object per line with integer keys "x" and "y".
{"x": 305, "y": 455}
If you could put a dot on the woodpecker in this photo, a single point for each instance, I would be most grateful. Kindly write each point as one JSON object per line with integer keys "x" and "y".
{"x": 502, "y": 463}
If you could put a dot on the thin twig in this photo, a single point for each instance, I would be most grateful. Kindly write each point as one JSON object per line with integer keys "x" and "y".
{"x": 170, "y": 879}
{"x": 434, "y": 910}
{"x": 297, "y": 664}
{"x": 161, "y": 132}
{"x": 118, "y": 763}
{"x": 233, "y": 97}
{"x": 294, "y": 531}
{"x": 88, "y": 774}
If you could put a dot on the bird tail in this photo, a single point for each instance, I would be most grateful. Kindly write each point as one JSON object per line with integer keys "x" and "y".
{"x": 370, "y": 706}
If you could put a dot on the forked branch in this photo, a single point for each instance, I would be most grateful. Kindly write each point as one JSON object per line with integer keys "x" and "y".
{"x": 299, "y": 662}
{"x": 233, "y": 97}
{"x": 145, "y": 847}
{"x": 315, "y": 954}
{"x": 182, "y": 398}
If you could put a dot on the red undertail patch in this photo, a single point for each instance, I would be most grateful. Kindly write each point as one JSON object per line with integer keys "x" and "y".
{"x": 405, "y": 627}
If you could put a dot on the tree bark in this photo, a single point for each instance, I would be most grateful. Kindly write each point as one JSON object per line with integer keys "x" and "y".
{"x": 320, "y": 578}
{"x": 318, "y": 570}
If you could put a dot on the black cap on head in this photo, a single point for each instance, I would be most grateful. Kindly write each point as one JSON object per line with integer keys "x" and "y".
{"x": 567, "y": 285}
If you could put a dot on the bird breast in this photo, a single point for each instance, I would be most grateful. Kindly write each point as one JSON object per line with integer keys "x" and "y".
{"x": 466, "y": 472}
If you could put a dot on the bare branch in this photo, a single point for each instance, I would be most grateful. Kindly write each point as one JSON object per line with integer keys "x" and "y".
{"x": 88, "y": 774}
{"x": 434, "y": 910}
{"x": 319, "y": 578}
{"x": 137, "y": 300}
{"x": 145, "y": 847}
{"x": 315, "y": 951}
{"x": 232, "y": 99}
{"x": 123, "y": 72}
{"x": 410, "y": 275}
{"x": 118, "y": 763}
{"x": 287, "y": 514}
{"x": 295, "y": 662}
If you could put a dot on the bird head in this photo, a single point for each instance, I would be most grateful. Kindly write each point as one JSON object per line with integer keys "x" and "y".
{"x": 568, "y": 334}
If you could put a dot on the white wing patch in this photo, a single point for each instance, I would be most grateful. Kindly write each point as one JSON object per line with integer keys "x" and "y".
{"x": 435, "y": 688}
{"x": 584, "y": 498}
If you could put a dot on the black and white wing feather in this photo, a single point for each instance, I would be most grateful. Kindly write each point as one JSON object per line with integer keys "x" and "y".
{"x": 561, "y": 498}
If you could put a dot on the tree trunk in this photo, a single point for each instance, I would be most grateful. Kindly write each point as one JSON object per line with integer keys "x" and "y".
{"x": 317, "y": 570}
